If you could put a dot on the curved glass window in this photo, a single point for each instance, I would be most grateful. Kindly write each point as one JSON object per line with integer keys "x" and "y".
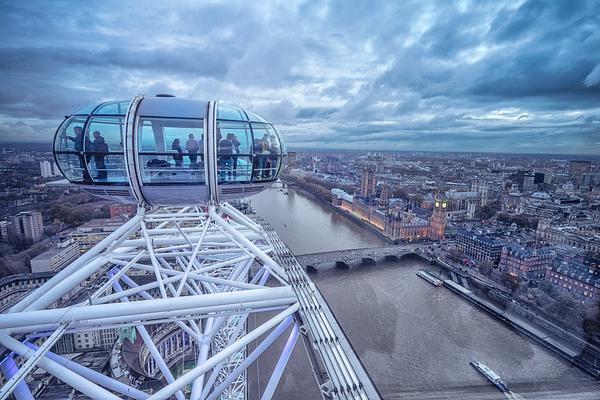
{"x": 86, "y": 110}
{"x": 237, "y": 133}
{"x": 282, "y": 142}
{"x": 234, "y": 140}
{"x": 171, "y": 150}
{"x": 69, "y": 145}
{"x": 111, "y": 129}
{"x": 70, "y": 135}
{"x": 113, "y": 108}
{"x": 231, "y": 113}
{"x": 255, "y": 118}
{"x": 267, "y": 153}
{"x": 72, "y": 165}
{"x": 105, "y": 135}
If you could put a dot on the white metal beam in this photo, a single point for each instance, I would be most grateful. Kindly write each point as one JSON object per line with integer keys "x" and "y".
{"x": 133, "y": 309}
{"x": 71, "y": 378}
{"x": 190, "y": 376}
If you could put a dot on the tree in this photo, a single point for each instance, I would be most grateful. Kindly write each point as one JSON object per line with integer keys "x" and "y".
{"x": 488, "y": 210}
{"x": 562, "y": 308}
{"x": 548, "y": 287}
{"x": 522, "y": 220}
{"x": 399, "y": 193}
{"x": 509, "y": 281}
{"x": 455, "y": 254}
{"x": 591, "y": 324}
{"x": 417, "y": 200}
{"x": 486, "y": 268}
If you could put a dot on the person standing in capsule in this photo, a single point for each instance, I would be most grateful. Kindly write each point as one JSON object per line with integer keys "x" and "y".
{"x": 81, "y": 143}
{"x": 178, "y": 158}
{"x": 192, "y": 148}
{"x": 100, "y": 149}
{"x": 226, "y": 150}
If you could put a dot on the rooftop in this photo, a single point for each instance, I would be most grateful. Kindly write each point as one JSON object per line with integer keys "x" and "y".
{"x": 516, "y": 250}
{"x": 577, "y": 270}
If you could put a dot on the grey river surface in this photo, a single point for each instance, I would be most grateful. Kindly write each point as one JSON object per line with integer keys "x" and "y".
{"x": 414, "y": 339}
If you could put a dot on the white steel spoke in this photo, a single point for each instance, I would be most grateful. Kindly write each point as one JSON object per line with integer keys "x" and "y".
{"x": 183, "y": 272}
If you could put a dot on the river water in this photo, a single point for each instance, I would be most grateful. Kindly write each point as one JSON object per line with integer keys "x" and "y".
{"x": 414, "y": 339}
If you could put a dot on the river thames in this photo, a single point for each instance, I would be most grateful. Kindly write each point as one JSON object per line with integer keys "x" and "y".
{"x": 414, "y": 339}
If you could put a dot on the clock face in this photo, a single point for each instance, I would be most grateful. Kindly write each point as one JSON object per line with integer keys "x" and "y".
{"x": 444, "y": 205}
{"x": 437, "y": 203}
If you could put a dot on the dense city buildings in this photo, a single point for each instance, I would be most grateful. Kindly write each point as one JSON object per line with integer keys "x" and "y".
{"x": 580, "y": 236}
{"x": 395, "y": 222}
{"x": 512, "y": 220}
{"x": 577, "y": 168}
{"x": 526, "y": 205}
{"x": 463, "y": 205}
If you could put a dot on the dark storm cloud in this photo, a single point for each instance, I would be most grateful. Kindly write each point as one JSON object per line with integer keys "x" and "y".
{"x": 465, "y": 75}
{"x": 181, "y": 60}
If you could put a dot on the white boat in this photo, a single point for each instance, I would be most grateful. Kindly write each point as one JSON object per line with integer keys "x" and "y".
{"x": 430, "y": 278}
{"x": 490, "y": 375}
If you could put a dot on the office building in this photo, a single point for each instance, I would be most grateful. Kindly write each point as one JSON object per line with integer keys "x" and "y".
{"x": 46, "y": 169}
{"x": 127, "y": 209}
{"x": 3, "y": 231}
{"x": 577, "y": 168}
{"x": 91, "y": 233}
{"x": 529, "y": 184}
{"x": 526, "y": 264}
{"x": 55, "y": 258}
{"x": 479, "y": 247}
{"x": 578, "y": 277}
{"x": 26, "y": 227}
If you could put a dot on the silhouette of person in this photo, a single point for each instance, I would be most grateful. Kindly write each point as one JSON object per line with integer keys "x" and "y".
{"x": 235, "y": 150}
{"x": 274, "y": 151}
{"x": 179, "y": 156}
{"x": 226, "y": 149}
{"x": 261, "y": 151}
{"x": 81, "y": 144}
{"x": 192, "y": 148}
{"x": 100, "y": 149}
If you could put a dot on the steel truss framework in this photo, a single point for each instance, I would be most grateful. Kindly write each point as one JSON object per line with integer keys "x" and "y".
{"x": 203, "y": 284}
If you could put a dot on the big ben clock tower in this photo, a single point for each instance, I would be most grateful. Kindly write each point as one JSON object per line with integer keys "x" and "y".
{"x": 437, "y": 225}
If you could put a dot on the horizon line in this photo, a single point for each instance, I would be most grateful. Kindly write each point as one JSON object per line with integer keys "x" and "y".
{"x": 324, "y": 149}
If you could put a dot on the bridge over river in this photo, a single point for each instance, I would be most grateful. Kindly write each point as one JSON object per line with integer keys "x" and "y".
{"x": 366, "y": 255}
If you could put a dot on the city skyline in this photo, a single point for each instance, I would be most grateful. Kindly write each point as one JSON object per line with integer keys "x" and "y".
{"x": 497, "y": 77}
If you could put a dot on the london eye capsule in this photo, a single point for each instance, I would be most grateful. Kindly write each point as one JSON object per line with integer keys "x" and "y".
{"x": 165, "y": 150}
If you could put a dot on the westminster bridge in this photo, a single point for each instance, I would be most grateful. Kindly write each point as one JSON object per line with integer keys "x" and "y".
{"x": 345, "y": 258}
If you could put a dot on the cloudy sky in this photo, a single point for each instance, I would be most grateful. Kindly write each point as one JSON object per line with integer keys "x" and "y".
{"x": 513, "y": 76}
